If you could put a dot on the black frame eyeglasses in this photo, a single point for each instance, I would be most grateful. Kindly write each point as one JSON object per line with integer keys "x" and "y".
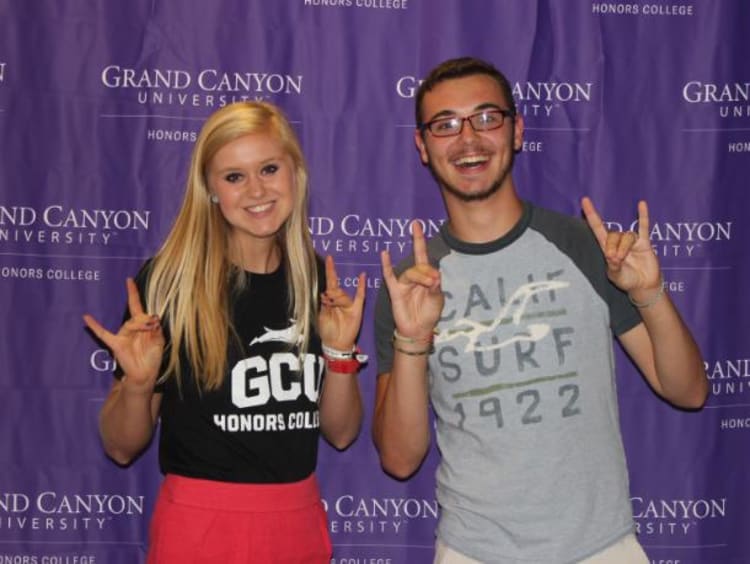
{"x": 486, "y": 120}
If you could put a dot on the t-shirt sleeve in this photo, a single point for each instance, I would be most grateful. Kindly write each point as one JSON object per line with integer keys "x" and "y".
{"x": 624, "y": 316}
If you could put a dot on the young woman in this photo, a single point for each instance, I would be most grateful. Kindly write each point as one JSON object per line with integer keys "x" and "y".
{"x": 230, "y": 345}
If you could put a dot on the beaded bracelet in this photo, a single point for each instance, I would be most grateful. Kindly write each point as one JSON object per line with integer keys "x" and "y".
{"x": 655, "y": 298}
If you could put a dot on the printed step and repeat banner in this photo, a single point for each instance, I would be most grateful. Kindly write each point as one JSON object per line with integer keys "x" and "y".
{"x": 100, "y": 103}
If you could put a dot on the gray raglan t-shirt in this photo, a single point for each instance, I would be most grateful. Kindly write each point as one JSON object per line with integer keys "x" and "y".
{"x": 522, "y": 383}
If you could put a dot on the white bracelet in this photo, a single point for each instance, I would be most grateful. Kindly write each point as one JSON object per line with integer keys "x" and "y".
{"x": 335, "y": 354}
{"x": 655, "y": 298}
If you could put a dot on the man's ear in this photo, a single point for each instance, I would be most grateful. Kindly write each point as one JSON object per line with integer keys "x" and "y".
{"x": 419, "y": 142}
{"x": 517, "y": 133}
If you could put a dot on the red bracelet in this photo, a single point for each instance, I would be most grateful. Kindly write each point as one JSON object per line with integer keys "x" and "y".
{"x": 343, "y": 366}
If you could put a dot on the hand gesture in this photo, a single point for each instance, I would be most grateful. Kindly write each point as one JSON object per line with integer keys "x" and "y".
{"x": 631, "y": 262}
{"x": 137, "y": 346}
{"x": 340, "y": 316}
{"x": 416, "y": 296}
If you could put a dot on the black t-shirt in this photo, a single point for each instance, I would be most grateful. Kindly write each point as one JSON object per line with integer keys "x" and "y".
{"x": 262, "y": 424}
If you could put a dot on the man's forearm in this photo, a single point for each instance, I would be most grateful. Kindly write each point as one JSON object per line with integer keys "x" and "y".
{"x": 678, "y": 370}
{"x": 401, "y": 428}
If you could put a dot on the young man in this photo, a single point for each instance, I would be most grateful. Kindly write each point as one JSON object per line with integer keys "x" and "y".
{"x": 505, "y": 322}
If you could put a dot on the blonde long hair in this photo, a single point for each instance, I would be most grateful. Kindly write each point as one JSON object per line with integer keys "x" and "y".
{"x": 193, "y": 270}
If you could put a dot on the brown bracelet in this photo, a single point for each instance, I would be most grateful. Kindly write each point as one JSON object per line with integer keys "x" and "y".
{"x": 399, "y": 337}
{"x": 425, "y": 352}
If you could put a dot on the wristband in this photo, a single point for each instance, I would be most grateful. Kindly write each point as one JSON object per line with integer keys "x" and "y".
{"x": 337, "y": 354}
{"x": 655, "y": 298}
{"x": 348, "y": 366}
{"x": 345, "y": 362}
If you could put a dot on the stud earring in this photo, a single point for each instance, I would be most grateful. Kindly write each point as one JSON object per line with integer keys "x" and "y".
{"x": 214, "y": 198}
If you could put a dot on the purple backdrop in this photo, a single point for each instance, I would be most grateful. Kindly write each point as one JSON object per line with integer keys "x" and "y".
{"x": 99, "y": 104}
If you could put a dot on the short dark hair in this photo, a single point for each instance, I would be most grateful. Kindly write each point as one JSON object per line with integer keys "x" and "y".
{"x": 460, "y": 68}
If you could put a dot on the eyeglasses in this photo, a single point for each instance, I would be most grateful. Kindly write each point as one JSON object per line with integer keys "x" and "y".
{"x": 486, "y": 120}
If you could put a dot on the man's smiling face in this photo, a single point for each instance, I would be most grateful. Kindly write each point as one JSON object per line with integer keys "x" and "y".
{"x": 472, "y": 165}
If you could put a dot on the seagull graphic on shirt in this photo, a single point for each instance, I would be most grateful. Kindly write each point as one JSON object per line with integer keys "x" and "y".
{"x": 473, "y": 331}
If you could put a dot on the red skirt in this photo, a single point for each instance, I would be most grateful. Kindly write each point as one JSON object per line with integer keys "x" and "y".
{"x": 203, "y": 521}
